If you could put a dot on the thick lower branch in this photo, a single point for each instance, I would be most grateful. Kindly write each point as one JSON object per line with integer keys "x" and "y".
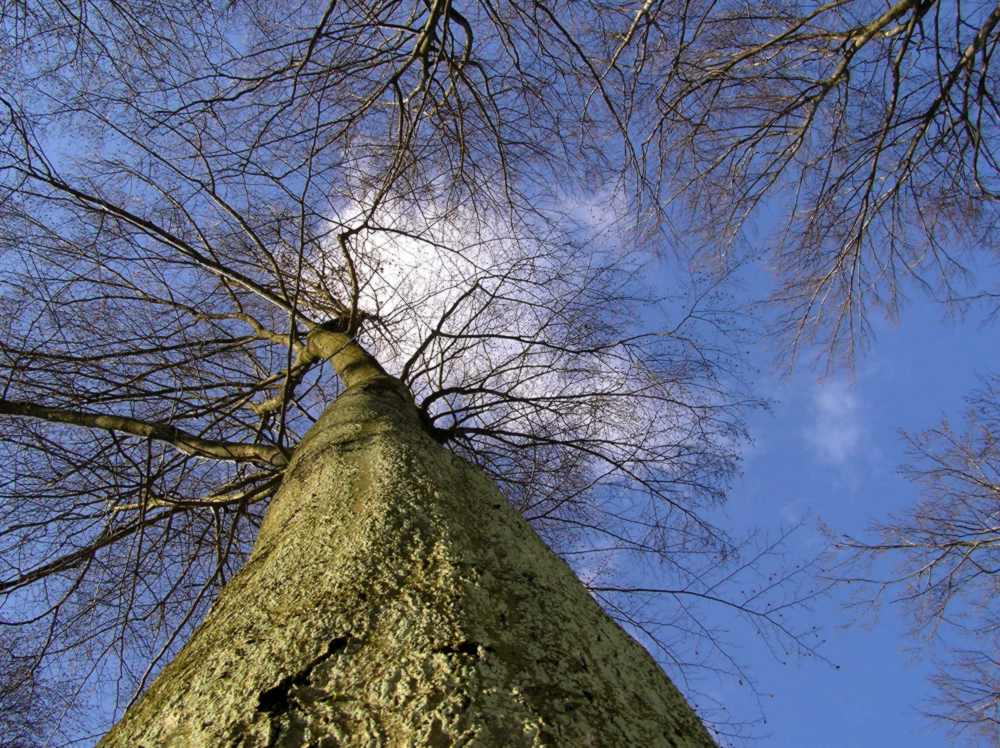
{"x": 182, "y": 440}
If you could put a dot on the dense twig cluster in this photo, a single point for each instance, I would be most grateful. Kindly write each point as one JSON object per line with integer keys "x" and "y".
{"x": 867, "y": 131}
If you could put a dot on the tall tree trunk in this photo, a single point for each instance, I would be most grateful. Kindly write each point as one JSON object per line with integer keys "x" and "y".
{"x": 394, "y": 598}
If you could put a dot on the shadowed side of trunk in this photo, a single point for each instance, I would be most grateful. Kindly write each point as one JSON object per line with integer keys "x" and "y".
{"x": 394, "y": 598}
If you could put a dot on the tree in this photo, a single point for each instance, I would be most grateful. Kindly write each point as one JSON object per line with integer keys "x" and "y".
{"x": 393, "y": 597}
{"x": 946, "y": 555}
{"x": 194, "y": 196}
{"x": 861, "y": 134}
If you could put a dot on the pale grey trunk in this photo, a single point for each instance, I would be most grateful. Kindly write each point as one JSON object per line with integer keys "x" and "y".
{"x": 395, "y": 599}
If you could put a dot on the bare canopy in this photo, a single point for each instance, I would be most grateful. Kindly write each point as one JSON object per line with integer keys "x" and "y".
{"x": 204, "y": 204}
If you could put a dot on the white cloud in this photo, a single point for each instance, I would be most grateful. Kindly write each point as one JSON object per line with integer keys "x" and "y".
{"x": 836, "y": 429}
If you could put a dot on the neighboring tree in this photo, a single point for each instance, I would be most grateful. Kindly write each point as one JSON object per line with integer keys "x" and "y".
{"x": 946, "y": 554}
{"x": 194, "y": 197}
{"x": 859, "y": 139}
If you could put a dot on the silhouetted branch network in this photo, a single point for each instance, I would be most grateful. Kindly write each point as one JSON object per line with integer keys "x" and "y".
{"x": 188, "y": 190}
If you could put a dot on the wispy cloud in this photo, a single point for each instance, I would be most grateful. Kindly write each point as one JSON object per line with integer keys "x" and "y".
{"x": 836, "y": 429}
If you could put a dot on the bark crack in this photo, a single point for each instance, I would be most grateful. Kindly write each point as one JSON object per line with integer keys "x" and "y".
{"x": 275, "y": 701}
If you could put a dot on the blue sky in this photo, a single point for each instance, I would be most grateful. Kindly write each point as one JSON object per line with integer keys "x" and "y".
{"x": 828, "y": 452}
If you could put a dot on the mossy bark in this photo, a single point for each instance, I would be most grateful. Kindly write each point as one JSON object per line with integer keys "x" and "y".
{"x": 395, "y": 599}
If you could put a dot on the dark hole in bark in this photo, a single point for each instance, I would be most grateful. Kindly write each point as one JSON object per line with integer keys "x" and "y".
{"x": 469, "y": 648}
{"x": 275, "y": 700}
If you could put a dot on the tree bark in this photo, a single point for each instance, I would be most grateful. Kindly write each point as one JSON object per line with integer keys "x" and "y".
{"x": 394, "y": 598}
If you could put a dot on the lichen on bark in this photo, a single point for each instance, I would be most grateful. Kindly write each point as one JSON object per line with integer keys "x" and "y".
{"x": 394, "y": 598}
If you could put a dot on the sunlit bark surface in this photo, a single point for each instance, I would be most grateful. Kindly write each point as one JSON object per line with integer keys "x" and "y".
{"x": 395, "y": 598}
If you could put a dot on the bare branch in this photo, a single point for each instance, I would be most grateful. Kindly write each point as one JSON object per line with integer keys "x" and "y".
{"x": 183, "y": 441}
